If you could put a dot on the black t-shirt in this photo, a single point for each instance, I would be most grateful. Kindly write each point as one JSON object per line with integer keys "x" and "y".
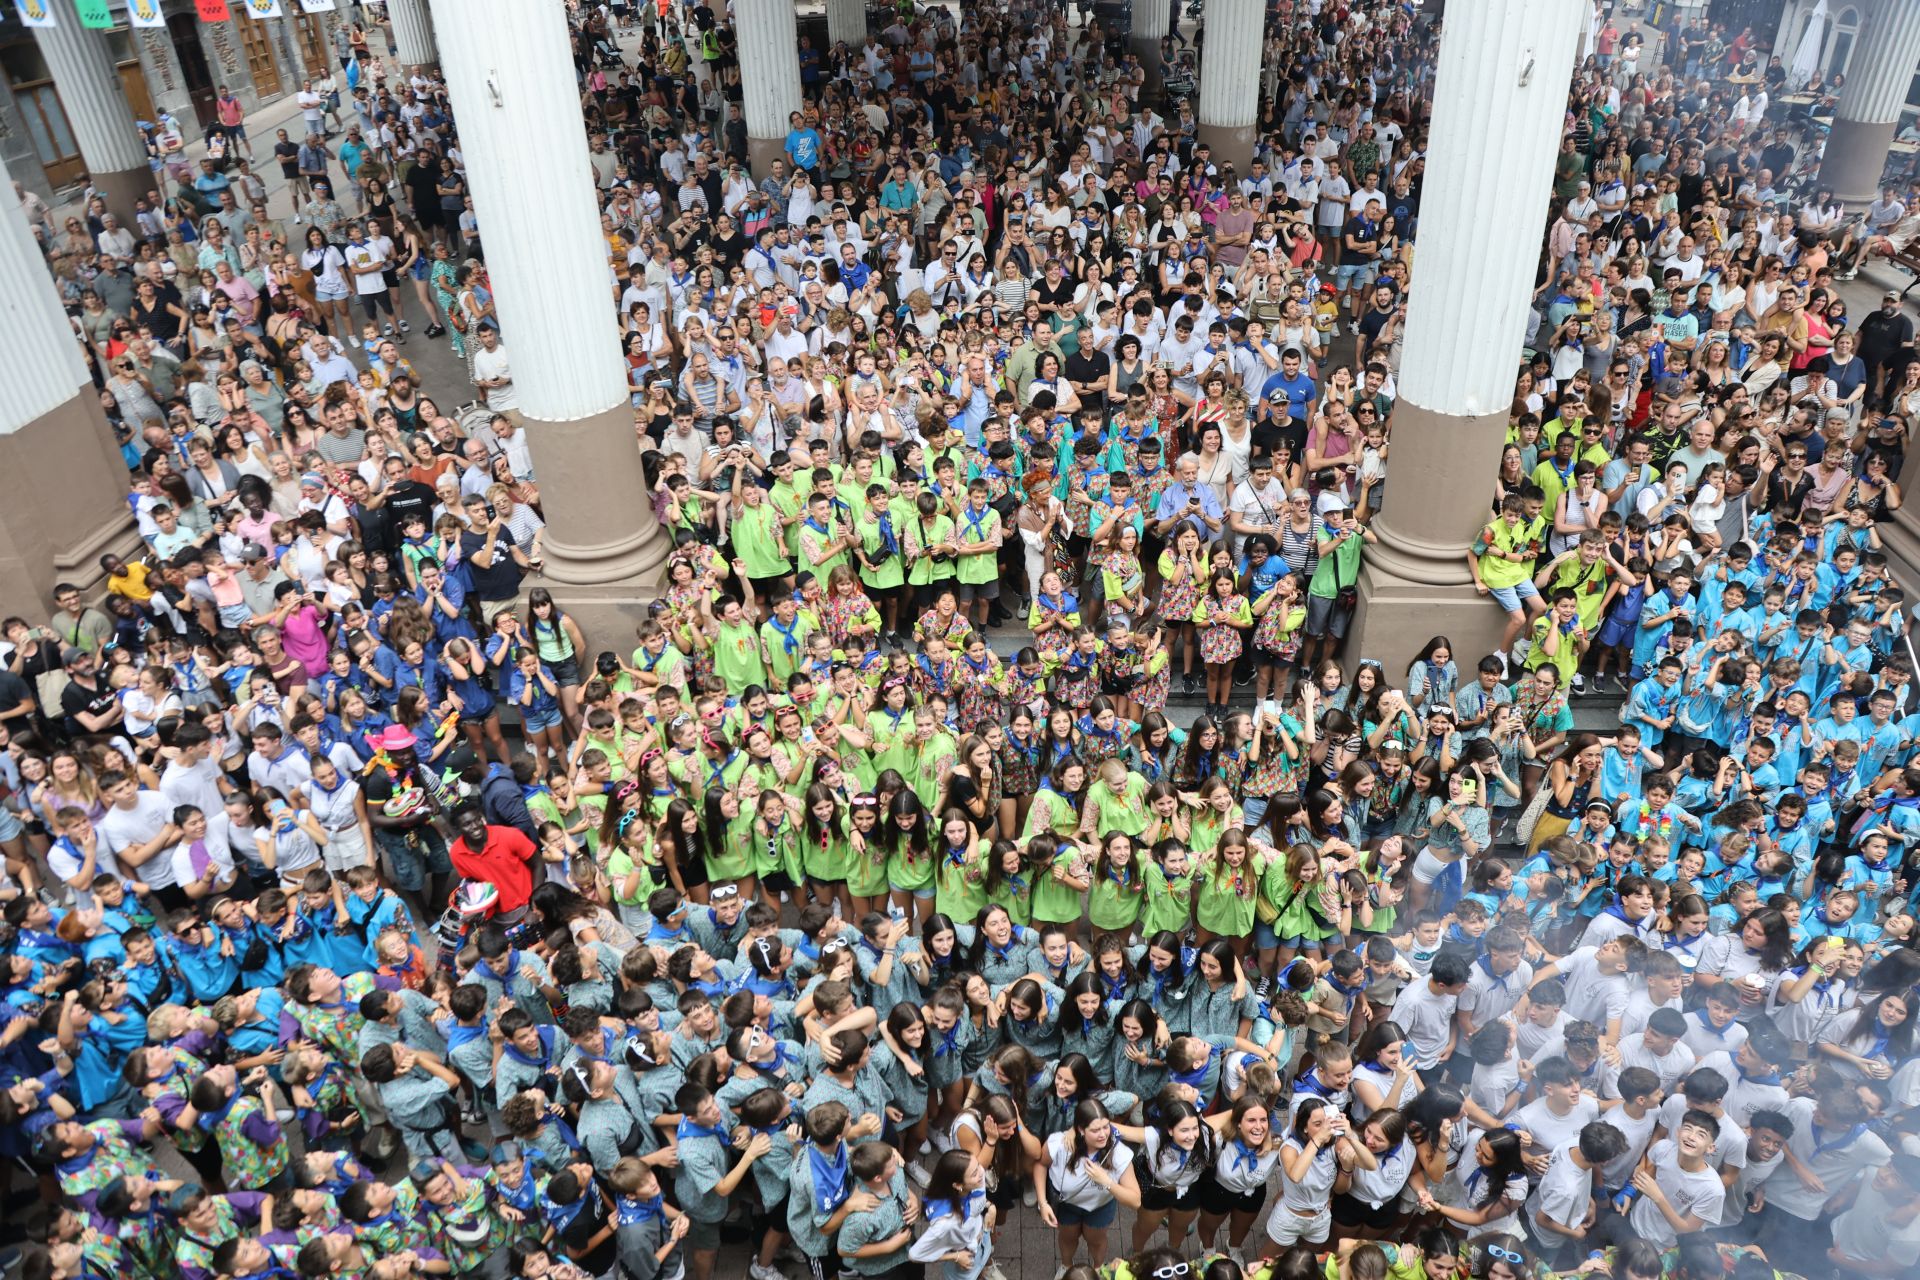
{"x": 288, "y": 154}
{"x": 730, "y": 249}
{"x": 75, "y": 699}
{"x": 1090, "y": 366}
{"x": 409, "y": 497}
{"x": 14, "y": 691}
{"x": 585, "y": 1225}
{"x": 499, "y": 580}
{"x": 1364, "y": 231}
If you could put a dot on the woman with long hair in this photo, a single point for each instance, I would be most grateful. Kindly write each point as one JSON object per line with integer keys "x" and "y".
{"x": 1081, "y": 1178}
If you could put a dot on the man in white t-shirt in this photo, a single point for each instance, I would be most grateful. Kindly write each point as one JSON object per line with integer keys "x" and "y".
{"x": 1425, "y": 1012}
{"x": 1561, "y": 1209}
{"x": 1880, "y": 1234}
{"x": 138, "y": 824}
{"x": 493, "y": 374}
{"x": 1678, "y": 1193}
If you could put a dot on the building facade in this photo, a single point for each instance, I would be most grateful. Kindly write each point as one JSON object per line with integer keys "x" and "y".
{"x": 177, "y": 69}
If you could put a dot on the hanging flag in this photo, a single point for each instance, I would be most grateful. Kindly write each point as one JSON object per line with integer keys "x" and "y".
{"x": 262, "y": 8}
{"x": 94, "y": 14}
{"x": 212, "y": 10}
{"x": 145, "y": 13}
{"x": 34, "y": 13}
{"x": 317, "y": 6}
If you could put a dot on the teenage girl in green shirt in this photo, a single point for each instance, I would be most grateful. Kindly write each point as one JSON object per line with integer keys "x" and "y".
{"x": 960, "y": 875}
{"x": 1114, "y": 900}
{"x": 1223, "y": 906}
{"x": 909, "y": 847}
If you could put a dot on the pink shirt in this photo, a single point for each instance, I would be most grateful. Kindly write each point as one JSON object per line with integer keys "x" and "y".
{"x": 304, "y": 641}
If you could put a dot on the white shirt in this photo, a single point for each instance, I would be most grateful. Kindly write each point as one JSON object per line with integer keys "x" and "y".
{"x": 1075, "y": 1186}
{"x": 1564, "y": 1195}
{"x": 1426, "y": 1016}
{"x": 126, "y": 828}
{"x": 1699, "y": 1193}
{"x": 494, "y": 364}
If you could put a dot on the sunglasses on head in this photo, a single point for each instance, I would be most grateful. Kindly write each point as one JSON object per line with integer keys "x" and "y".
{"x": 1505, "y": 1254}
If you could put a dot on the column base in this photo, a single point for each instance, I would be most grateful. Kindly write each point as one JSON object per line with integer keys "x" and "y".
{"x": 122, "y": 188}
{"x": 1855, "y": 157}
{"x": 1415, "y": 583}
{"x": 604, "y": 551}
{"x": 762, "y": 152}
{"x": 1396, "y": 617}
{"x": 64, "y": 502}
{"x": 1231, "y": 144}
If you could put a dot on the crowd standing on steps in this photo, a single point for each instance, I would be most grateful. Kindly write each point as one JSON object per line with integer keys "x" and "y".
{"x": 807, "y": 923}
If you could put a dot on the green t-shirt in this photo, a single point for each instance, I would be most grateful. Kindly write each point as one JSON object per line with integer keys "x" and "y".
{"x": 1338, "y": 568}
{"x": 756, "y": 536}
{"x": 974, "y": 530}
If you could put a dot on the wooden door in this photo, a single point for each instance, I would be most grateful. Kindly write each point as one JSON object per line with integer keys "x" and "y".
{"x": 260, "y": 60}
{"x": 192, "y": 57}
{"x": 312, "y": 36}
{"x": 53, "y": 140}
{"x": 133, "y": 83}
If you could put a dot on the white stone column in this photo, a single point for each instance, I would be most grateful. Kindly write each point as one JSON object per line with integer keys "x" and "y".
{"x": 62, "y": 482}
{"x": 1870, "y": 104}
{"x": 103, "y": 123}
{"x": 509, "y": 69}
{"x": 1230, "y": 80}
{"x": 1150, "y": 23}
{"x": 769, "y": 46}
{"x": 1499, "y": 100}
{"x": 412, "y": 34}
{"x": 847, "y": 21}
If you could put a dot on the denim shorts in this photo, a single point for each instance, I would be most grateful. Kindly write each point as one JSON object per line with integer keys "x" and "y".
{"x": 924, "y": 895}
{"x": 1510, "y": 598}
{"x": 11, "y": 828}
{"x": 533, "y": 720}
{"x": 1072, "y": 1215}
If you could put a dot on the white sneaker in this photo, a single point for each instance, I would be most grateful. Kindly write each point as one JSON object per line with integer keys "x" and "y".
{"x": 1028, "y": 1199}
{"x": 1060, "y": 1273}
{"x": 353, "y": 342}
{"x": 926, "y": 1149}
{"x": 1238, "y": 1260}
{"x": 919, "y": 1174}
{"x": 387, "y": 332}
{"x": 1579, "y": 683}
{"x": 940, "y": 1142}
{"x": 405, "y": 327}
{"x": 759, "y": 1272}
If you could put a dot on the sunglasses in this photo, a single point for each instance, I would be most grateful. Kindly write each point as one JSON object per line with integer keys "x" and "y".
{"x": 1505, "y": 1254}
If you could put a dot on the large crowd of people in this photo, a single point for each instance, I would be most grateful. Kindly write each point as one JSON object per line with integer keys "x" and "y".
{"x": 871, "y": 897}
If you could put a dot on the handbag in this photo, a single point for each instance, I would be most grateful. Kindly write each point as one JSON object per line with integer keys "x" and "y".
{"x": 1530, "y": 816}
{"x": 1346, "y": 597}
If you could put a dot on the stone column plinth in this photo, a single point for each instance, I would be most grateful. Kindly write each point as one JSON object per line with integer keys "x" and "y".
{"x": 1870, "y": 104}
{"x": 103, "y": 124}
{"x": 1230, "y": 80}
{"x": 510, "y": 72}
{"x": 1499, "y": 101}
{"x": 63, "y": 485}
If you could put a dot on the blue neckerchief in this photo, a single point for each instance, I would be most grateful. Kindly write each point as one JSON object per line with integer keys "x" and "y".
{"x": 211, "y": 1120}
{"x": 512, "y": 964}
{"x": 688, "y": 1129}
{"x": 1245, "y": 1155}
{"x": 1844, "y": 1140}
{"x": 1765, "y": 1077}
{"x": 544, "y": 1061}
{"x": 1485, "y": 965}
{"x": 830, "y": 1189}
{"x": 1192, "y": 1079}
{"x": 965, "y": 1206}
{"x": 631, "y": 1210}
{"x": 1013, "y": 940}
{"x": 561, "y": 1216}
{"x": 788, "y": 640}
{"x": 949, "y": 1041}
{"x": 521, "y": 1197}
{"x": 1310, "y": 1082}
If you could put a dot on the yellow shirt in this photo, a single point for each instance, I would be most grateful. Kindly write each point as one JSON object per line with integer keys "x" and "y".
{"x": 131, "y": 582}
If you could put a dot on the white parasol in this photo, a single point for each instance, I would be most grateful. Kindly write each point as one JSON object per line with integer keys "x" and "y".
{"x": 1806, "y": 57}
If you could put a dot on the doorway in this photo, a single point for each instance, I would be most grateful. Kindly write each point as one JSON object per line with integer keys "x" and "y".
{"x": 54, "y": 145}
{"x": 312, "y": 36}
{"x": 185, "y": 30}
{"x": 260, "y": 61}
